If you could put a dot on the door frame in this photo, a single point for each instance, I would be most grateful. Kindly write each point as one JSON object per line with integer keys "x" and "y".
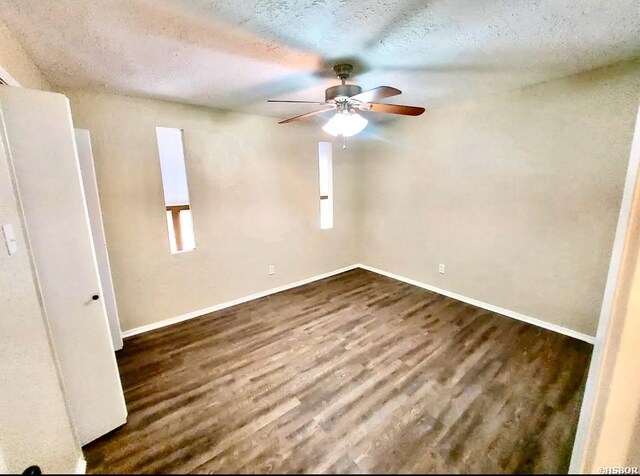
{"x": 94, "y": 210}
{"x": 76, "y": 316}
{"x": 4, "y": 144}
{"x": 607, "y": 336}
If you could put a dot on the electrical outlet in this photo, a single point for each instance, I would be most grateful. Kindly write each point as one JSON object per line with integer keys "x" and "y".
{"x": 272, "y": 269}
{"x": 441, "y": 269}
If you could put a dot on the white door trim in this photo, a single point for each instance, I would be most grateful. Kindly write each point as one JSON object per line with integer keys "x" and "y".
{"x": 7, "y": 78}
{"x": 60, "y": 230}
{"x": 593, "y": 390}
{"x": 92, "y": 199}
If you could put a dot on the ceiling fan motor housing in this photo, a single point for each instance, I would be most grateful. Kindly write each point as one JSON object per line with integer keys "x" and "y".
{"x": 341, "y": 90}
{"x": 348, "y": 98}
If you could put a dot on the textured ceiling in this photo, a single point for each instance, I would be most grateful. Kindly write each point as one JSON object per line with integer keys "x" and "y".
{"x": 235, "y": 54}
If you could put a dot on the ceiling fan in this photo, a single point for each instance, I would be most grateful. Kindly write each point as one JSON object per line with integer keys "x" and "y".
{"x": 347, "y": 100}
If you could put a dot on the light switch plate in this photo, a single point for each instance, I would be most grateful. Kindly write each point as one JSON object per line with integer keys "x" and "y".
{"x": 10, "y": 239}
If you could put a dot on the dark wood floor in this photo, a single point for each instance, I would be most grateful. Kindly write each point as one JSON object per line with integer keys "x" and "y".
{"x": 355, "y": 373}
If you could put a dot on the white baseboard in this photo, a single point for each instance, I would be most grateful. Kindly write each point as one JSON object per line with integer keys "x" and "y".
{"x": 444, "y": 292}
{"x": 224, "y": 305}
{"x": 484, "y": 305}
{"x": 81, "y": 467}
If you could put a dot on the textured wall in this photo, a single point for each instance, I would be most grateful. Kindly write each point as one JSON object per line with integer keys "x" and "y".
{"x": 34, "y": 423}
{"x": 253, "y": 186}
{"x": 518, "y": 194}
{"x": 14, "y": 60}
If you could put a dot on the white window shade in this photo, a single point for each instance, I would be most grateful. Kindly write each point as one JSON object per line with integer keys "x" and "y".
{"x": 325, "y": 176}
{"x": 175, "y": 190}
{"x": 174, "y": 173}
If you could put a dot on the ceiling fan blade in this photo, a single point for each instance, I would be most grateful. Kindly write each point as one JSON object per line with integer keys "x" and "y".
{"x": 374, "y": 94}
{"x": 301, "y": 102}
{"x": 304, "y": 116}
{"x": 394, "y": 109}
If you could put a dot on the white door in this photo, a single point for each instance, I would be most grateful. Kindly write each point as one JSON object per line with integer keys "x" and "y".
{"x": 42, "y": 148}
{"x": 85, "y": 156}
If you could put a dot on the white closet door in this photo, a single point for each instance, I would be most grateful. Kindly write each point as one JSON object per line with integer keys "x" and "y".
{"x": 42, "y": 147}
{"x": 85, "y": 156}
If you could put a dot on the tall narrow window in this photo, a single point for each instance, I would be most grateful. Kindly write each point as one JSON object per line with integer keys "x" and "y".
{"x": 176, "y": 190}
{"x": 325, "y": 169}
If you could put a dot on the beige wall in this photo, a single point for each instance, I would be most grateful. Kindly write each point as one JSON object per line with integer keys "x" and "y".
{"x": 514, "y": 193}
{"x": 254, "y": 194}
{"x": 34, "y": 422}
{"x": 518, "y": 194}
{"x": 15, "y": 61}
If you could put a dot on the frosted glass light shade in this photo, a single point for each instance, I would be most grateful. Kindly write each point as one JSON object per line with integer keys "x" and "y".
{"x": 334, "y": 125}
{"x": 346, "y": 124}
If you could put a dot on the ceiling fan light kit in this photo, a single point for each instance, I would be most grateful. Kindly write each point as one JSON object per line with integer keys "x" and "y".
{"x": 348, "y": 99}
{"x": 346, "y": 124}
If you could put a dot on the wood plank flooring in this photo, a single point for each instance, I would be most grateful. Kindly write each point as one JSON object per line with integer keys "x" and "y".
{"x": 355, "y": 373}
